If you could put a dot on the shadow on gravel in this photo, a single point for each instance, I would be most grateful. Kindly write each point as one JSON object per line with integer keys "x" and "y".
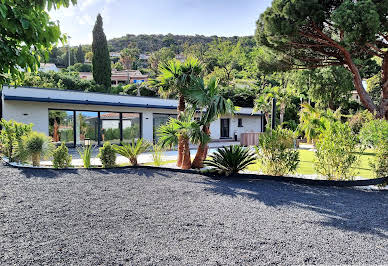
{"x": 46, "y": 173}
{"x": 148, "y": 173}
{"x": 348, "y": 209}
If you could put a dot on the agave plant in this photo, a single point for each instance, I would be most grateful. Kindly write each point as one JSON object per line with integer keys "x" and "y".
{"x": 230, "y": 160}
{"x": 132, "y": 149}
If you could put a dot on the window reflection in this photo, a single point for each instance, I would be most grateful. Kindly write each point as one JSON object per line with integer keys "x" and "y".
{"x": 61, "y": 126}
{"x": 86, "y": 127}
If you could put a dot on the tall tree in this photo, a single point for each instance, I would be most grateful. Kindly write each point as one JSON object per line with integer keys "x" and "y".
{"x": 80, "y": 56}
{"x": 27, "y": 34}
{"x": 101, "y": 60}
{"x": 325, "y": 33}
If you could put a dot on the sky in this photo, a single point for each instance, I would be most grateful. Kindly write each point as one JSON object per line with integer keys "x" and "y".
{"x": 184, "y": 17}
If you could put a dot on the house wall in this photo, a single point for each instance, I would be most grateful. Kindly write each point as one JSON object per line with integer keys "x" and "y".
{"x": 37, "y": 112}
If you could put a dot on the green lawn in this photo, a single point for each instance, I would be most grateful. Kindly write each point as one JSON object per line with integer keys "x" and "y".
{"x": 306, "y": 165}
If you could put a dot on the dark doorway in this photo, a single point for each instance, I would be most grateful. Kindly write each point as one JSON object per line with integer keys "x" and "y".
{"x": 225, "y": 127}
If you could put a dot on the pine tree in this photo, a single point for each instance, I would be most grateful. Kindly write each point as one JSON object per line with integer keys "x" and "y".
{"x": 101, "y": 61}
{"x": 80, "y": 56}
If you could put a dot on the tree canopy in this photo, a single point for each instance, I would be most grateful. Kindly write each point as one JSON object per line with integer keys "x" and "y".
{"x": 101, "y": 60}
{"x": 311, "y": 34}
{"x": 27, "y": 34}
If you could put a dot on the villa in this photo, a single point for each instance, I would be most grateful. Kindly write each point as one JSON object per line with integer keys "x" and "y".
{"x": 73, "y": 116}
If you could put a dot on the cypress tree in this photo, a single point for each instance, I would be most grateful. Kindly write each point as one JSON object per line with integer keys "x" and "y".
{"x": 80, "y": 56}
{"x": 101, "y": 60}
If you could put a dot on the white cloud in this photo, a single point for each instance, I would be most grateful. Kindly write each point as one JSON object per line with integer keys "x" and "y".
{"x": 85, "y": 20}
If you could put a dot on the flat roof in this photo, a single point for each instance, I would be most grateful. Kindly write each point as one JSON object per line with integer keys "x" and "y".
{"x": 51, "y": 95}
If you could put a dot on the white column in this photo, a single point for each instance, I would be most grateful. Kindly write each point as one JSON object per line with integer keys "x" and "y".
{"x": 147, "y": 125}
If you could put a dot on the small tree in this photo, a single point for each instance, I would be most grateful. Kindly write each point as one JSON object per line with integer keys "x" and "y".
{"x": 80, "y": 56}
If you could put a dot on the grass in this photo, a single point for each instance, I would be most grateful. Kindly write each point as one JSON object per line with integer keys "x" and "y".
{"x": 306, "y": 165}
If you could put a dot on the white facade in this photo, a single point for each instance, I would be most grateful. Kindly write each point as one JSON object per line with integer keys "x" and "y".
{"x": 32, "y": 105}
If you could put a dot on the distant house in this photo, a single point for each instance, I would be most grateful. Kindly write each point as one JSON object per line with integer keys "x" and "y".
{"x": 48, "y": 67}
{"x": 114, "y": 54}
{"x": 120, "y": 77}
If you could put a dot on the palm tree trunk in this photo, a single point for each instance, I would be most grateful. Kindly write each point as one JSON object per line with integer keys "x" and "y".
{"x": 201, "y": 151}
{"x": 181, "y": 141}
{"x": 186, "y": 161}
{"x": 282, "y": 112}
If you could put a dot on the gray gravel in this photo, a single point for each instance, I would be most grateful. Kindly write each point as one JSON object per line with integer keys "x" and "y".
{"x": 139, "y": 216}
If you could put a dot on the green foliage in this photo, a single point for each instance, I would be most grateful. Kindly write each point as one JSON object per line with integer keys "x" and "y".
{"x": 11, "y": 139}
{"x": 27, "y": 34}
{"x": 358, "y": 120}
{"x": 230, "y": 160}
{"x": 86, "y": 155}
{"x": 373, "y": 132}
{"x": 107, "y": 155}
{"x": 374, "y": 88}
{"x": 380, "y": 163}
{"x": 336, "y": 149}
{"x": 101, "y": 60}
{"x": 157, "y": 154}
{"x": 276, "y": 152}
{"x": 313, "y": 121}
{"x": 132, "y": 149}
{"x": 37, "y": 145}
{"x": 61, "y": 157}
{"x": 80, "y": 56}
{"x": 80, "y": 67}
{"x": 66, "y": 81}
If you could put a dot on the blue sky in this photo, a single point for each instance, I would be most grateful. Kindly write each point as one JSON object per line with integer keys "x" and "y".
{"x": 188, "y": 17}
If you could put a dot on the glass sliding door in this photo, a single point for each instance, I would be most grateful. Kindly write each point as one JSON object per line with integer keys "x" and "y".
{"x": 131, "y": 126}
{"x": 61, "y": 126}
{"x": 86, "y": 127}
{"x": 110, "y": 127}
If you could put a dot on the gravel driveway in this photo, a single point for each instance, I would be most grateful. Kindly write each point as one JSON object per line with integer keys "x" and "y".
{"x": 143, "y": 217}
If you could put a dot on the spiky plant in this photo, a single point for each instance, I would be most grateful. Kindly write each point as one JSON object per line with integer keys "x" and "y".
{"x": 86, "y": 155}
{"x": 132, "y": 149}
{"x": 230, "y": 160}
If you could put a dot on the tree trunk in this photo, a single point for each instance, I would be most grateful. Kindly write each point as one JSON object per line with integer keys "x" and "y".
{"x": 35, "y": 159}
{"x": 383, "y": 108}
{"x": 186, "y": 161}
{"x": 181, "y": 141}
{"x": 201, "y": 151}
{"x": 365, "y": 98}
{"x": 282, "y": 112}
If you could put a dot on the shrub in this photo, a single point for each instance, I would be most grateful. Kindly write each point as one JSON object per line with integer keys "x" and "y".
{"x": 132, "y": 149}
{"x": 38, "y": 146}
{"x": 373, "y": 132}
{"x": 359, "y": 119}
{"x": 276, "y": 152}
{"x": 230, "y": 160}
{"x": 61, "y": 157}
{"x": 86, "y": 155}
{"x": 380, "y": 163}
{"x": 157, "y": 154}
{"x": 107, "y": 155}
{"x": 335, "y": 152}
{"x": 11, "y": 139}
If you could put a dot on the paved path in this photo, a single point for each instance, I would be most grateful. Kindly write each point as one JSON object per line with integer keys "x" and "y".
{"x": 144, "y": 217}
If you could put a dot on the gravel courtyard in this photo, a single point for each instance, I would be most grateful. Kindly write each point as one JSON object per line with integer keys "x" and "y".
{"x": 142, "y": 217}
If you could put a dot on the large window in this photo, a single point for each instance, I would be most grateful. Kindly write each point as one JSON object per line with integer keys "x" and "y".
{"x": 99, "y": 127}
{"x": 160, "y": 119}
{"x": 131, "y": 126}
{"x": 61, "y": 126}
{"x": 110, "y": 127}
{"x": 86, "y": 127}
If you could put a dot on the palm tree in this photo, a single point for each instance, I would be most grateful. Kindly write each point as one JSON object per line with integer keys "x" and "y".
{"x": 181, "y": 131}
{"x": 212, "y": 105}
{"x": 176, "y": 78}
{"x": 263, "y": 103}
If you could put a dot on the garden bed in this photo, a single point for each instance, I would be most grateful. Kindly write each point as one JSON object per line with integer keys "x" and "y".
{"x": 300, "y": 179}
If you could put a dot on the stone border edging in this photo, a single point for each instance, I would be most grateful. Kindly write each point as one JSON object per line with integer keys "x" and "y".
{"x": 296, "y": 180}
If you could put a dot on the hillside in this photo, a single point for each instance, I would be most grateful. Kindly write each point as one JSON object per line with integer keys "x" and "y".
{"x": 151, "y": 43}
